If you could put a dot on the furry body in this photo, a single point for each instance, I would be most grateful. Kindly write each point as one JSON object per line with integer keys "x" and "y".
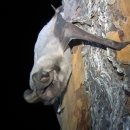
{"x": 49, "y": 56}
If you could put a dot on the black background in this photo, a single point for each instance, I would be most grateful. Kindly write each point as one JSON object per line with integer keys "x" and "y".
{"x": 21, "y": 23}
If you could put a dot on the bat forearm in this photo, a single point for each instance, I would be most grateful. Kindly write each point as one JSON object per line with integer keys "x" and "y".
{"x": 78, "y": 33}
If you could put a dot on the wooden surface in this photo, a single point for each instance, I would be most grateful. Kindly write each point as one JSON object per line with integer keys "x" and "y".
{"x": 124, "y": 54}
{"x": 76, "y": 104}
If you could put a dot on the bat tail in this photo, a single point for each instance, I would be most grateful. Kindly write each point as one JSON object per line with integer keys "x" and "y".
{"x": 53, "y": 7}
{"x": 57, "y": 10}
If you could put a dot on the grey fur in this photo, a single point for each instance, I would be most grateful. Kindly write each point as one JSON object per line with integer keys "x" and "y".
{"x": 48, "y": 54}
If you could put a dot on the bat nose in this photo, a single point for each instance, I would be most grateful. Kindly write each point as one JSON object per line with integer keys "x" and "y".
{"x": 42, "y": 79}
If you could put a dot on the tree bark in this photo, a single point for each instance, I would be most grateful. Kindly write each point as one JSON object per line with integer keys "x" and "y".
{"x": 98, "y": 92}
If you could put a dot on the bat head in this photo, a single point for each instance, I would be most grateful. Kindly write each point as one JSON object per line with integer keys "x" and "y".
{"x": 48, "y": 78}
{"x": 46, "y": 88}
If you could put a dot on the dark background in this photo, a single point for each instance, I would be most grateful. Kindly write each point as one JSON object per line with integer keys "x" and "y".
{"x": 21, "y": 23}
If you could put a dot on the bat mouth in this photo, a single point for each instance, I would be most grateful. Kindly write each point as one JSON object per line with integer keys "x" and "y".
{"x": 42, "y": 92}
{"x": 49, "y": 94}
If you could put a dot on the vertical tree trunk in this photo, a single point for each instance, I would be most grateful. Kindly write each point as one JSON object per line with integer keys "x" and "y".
{"x": 98, "y": 92}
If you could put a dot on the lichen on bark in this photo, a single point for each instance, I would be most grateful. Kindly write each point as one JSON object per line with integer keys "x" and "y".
{"x": 106, "y": 71}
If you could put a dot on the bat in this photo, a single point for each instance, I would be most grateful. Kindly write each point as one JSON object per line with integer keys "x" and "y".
{"x": 52, "y": 58}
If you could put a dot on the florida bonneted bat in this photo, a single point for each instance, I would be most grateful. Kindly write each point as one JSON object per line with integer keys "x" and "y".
{"x": 52, "y": 59}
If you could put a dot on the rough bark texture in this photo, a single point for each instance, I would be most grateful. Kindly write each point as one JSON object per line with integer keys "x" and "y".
{"x": 95, "y": 97}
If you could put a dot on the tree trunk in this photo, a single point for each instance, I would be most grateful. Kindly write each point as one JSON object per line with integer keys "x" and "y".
{"x": 98, "y": 92}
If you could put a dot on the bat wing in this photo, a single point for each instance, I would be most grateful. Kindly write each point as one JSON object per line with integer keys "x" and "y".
{"x": 67, "y": 31}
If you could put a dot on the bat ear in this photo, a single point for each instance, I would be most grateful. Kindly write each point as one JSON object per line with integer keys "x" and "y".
{"x": 31, "y": 96}
{"x": 42, "y": 79}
